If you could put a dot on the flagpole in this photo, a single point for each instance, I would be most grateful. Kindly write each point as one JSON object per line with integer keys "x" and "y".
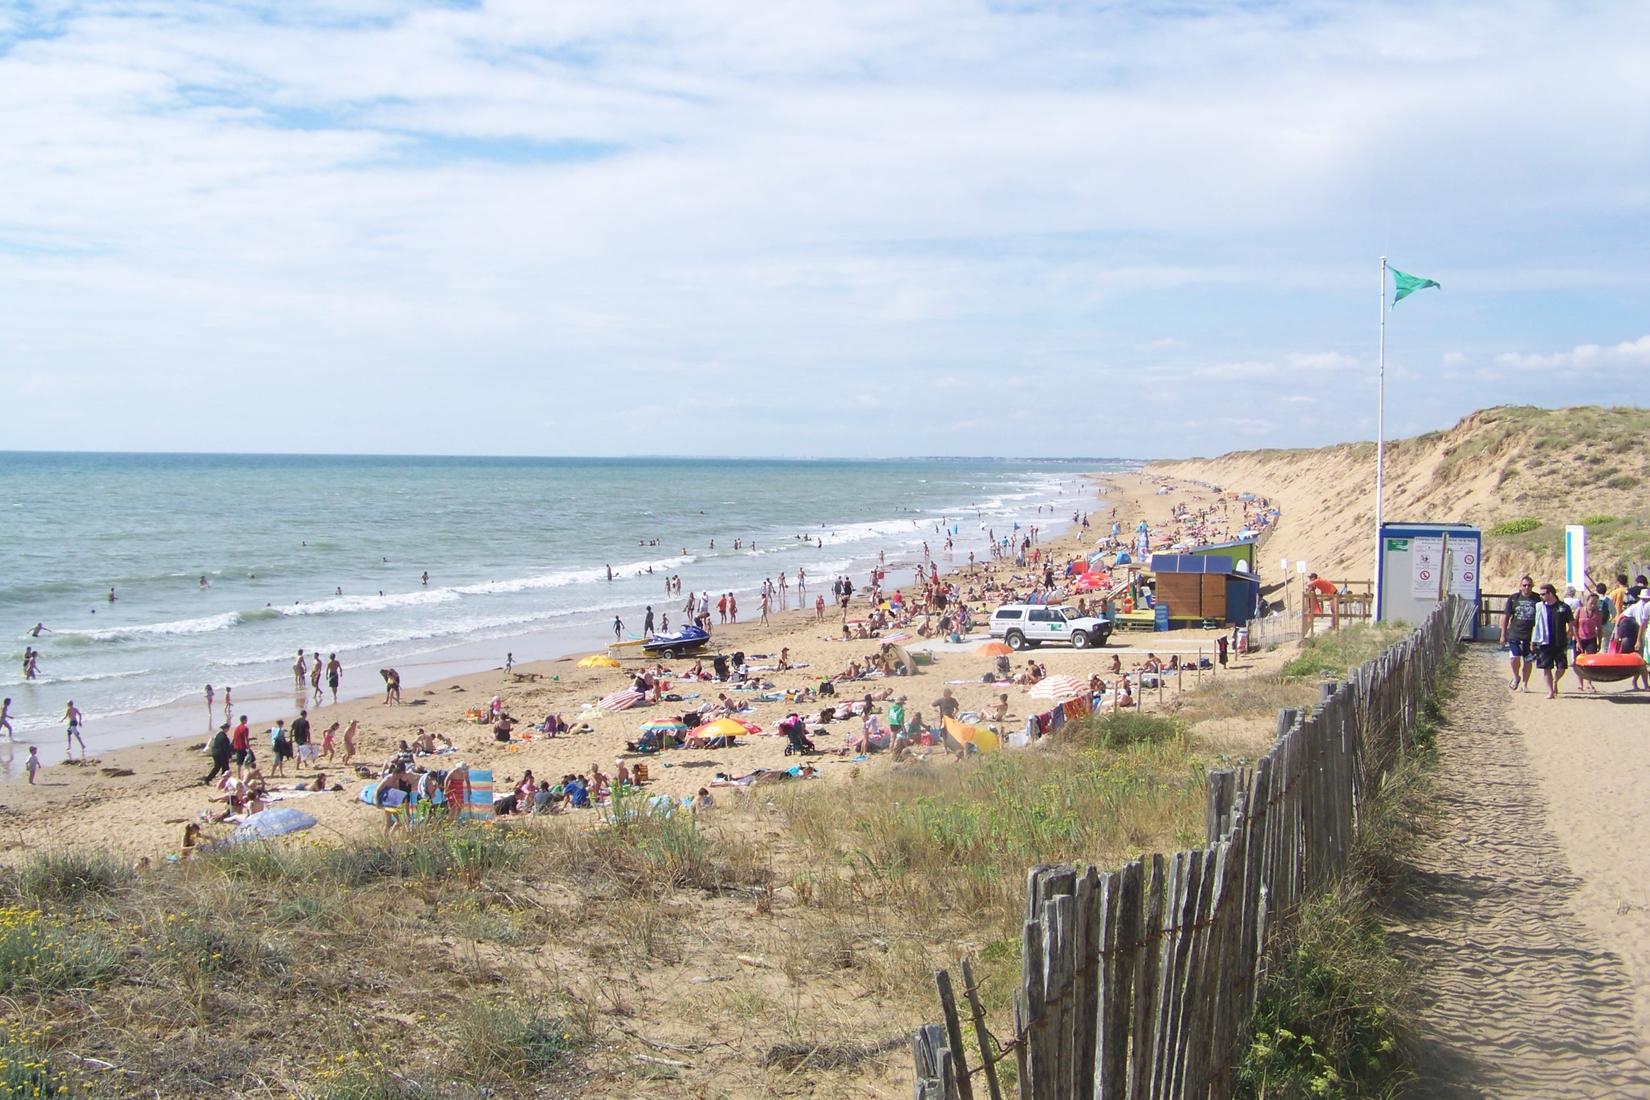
{"x": 1380, "y": 443}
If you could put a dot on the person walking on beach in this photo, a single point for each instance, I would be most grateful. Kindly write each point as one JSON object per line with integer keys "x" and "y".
{"x": 74, "y": 718}
{"x": 315, "y": 671}
{"x": 618, "y": 629}
{"x": 5, "y": 720}
{"x": 240, "y": 745}
{"x": 1550, "y": 638}
{"x": 733, "y": 609}
{"x": 226, "y": 704}
{"x": 220, "y": 754}
{"x": 392, "y": 684}
{"x": 280, "y": 746}
{"x": 764, "y": 609}
{"x": 300, "y": 739}
{"x": 335, "y": 673}
{"x": 819, "y": 609}
{"x": 209, "y": 694}
{"x": 34, "y": 762}
{"x": 509, "y": 662}
{"x": 1517, "y": 628}
{"x": 722, "y": 608}
{"x": 349, "y": 740}
{"x": 647, "y": 622}
{"x": 300, "y": 669}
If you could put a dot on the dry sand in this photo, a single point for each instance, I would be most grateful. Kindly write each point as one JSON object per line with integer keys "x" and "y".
{"x": 143, "y": 814}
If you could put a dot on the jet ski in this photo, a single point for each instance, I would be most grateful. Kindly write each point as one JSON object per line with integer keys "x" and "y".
{"x": 689, "y": 639}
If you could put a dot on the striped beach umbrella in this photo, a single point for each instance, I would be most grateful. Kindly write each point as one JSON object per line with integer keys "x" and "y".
{"x": 1058, "y": 688}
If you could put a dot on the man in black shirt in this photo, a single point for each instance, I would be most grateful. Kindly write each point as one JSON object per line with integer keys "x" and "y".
{"x": 1517, "y": 625}
{"x": 300, "y": 738}
{"x": 1551, "y": 638}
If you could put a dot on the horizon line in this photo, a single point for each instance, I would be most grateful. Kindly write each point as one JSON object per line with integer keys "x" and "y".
{"x": 577, "y": 457}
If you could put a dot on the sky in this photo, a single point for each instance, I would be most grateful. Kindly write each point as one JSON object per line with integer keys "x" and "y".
{"x": 813, "y": 228}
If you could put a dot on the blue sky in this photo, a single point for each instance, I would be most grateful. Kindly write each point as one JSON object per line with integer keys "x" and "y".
{"x": 811, "y": 228}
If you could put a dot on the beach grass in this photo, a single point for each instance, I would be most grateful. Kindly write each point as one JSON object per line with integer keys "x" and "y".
{"x": 461, "y": 958}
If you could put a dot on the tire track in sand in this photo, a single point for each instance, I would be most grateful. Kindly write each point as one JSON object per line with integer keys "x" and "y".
{"x": 1518, "y": 998}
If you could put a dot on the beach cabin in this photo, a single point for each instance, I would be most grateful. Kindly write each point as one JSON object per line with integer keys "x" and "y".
{"x": 1421, "y": 563}
{"x": 1206, "y": 589}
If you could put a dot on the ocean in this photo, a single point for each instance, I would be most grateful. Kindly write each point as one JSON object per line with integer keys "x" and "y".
{"x": 328, "y": 553}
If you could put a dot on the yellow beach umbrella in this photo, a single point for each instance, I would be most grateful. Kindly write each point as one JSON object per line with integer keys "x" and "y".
{"x": 599, "y": 660}
{"x": 722, "y": 727}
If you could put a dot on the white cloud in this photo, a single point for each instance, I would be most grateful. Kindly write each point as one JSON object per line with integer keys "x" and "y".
{"x": 584, "y": 201}
{"x": 1325, "y": 361}
{"x": 1631, "y": 353}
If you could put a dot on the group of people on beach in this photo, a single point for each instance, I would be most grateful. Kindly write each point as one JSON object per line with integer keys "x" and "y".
{"x": 294, "y": 742}
{"x": 1543, "y": 629}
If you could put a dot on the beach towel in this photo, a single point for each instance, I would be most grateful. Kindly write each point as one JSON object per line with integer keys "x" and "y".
{"x": 478, "y": 797}
{"x": 282, "y": 796}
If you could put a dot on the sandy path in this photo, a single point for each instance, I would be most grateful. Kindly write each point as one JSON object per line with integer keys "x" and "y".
{"x": 1521, "y": 996}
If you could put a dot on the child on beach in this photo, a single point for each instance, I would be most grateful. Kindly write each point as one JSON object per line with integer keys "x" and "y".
{"x": 34, "y": 762}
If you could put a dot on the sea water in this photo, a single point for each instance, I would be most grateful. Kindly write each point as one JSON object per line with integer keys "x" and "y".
{"x": 328, "y": 553}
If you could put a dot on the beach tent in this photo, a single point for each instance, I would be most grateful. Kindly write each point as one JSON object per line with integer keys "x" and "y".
{"x": 599, "y": 660}
{"x": 959, "y": 734}
{"x": 270, "y": 823}
{"x": 898, "y": 655}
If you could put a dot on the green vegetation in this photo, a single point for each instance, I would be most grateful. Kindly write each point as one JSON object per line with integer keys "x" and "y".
{"x": 66, "y": 878}
{"x": 1597, "y": 521}
{"x": 1515, "y": 526}
{"x": 1622, "y": 481}
{"x": 39, "y": 955}
{"x": 1327, "y": 1020}
{"x": 1330, "y": 1018}
{"x": 1328, "y": 656}
{"x": 26, "y": 1071}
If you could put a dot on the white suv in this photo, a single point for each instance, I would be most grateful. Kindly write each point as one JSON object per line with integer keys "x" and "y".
{"x": 1025, "y": 624}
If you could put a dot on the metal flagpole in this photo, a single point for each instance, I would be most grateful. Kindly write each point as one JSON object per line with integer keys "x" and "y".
{"x": 1380, "y": 441}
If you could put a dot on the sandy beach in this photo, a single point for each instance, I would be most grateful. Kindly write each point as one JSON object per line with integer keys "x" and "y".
{"x": 135, "y": 801}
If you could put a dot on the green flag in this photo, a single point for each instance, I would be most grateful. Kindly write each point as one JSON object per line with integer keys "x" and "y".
{"x": 1409, "y": 284}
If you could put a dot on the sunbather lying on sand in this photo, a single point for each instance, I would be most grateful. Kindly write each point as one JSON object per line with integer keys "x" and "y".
{"x": 764, "y": 775}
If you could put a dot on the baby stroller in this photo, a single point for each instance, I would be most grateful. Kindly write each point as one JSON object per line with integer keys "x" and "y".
{"x": 796, "y": 737}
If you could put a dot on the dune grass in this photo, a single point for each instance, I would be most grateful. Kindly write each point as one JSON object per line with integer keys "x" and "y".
{"x": 473, "y": 959}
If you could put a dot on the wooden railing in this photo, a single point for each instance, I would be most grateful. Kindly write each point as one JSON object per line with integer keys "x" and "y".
{"x": 1139, "y": 983}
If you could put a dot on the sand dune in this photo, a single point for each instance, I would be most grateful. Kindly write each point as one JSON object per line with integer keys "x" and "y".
{"x": 1551, "y": 466}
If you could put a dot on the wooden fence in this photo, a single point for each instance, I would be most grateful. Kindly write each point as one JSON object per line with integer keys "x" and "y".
{"x": 1139, "y": 983}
